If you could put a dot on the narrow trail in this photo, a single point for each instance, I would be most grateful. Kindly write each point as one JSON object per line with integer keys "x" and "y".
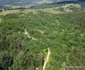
{"x": 47, "y": 59}
{"x": 48, "y": 54}
{"x": 26, "y": 33}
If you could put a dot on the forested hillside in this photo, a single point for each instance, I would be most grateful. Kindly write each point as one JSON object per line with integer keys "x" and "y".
{"x": 26, "y": 37}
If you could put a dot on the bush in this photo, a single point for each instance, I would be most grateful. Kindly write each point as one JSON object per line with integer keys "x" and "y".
{"x": 5, "y": 60}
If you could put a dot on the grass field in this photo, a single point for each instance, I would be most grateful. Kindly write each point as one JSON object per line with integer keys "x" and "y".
{"x": 53, "y": 10}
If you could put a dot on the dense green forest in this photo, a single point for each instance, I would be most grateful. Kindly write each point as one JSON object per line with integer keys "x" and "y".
{"x": 24, "y": 39}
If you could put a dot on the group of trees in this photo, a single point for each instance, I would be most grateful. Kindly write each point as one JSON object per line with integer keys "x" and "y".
{"x": 62, "y": 33}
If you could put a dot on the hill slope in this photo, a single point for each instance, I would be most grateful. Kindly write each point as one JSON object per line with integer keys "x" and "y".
{"x": 25, "y": 37}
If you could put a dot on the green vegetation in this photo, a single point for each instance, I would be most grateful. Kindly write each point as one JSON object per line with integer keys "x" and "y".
{"x": 64, "y": 34}
{"x": 0, "y": 10}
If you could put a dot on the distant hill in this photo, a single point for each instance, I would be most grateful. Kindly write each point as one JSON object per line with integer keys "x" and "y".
{"x": 25, "y": 2}
{"x": 69, "y": 1}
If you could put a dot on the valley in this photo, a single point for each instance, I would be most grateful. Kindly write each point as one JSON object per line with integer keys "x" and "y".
{"x": 54, "y": 10}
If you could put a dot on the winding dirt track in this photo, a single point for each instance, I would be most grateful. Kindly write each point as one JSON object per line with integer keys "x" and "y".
{"x": 26, "y": 33}
{"x": 47, "y": 59}
{"x": 48, "y": 54}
